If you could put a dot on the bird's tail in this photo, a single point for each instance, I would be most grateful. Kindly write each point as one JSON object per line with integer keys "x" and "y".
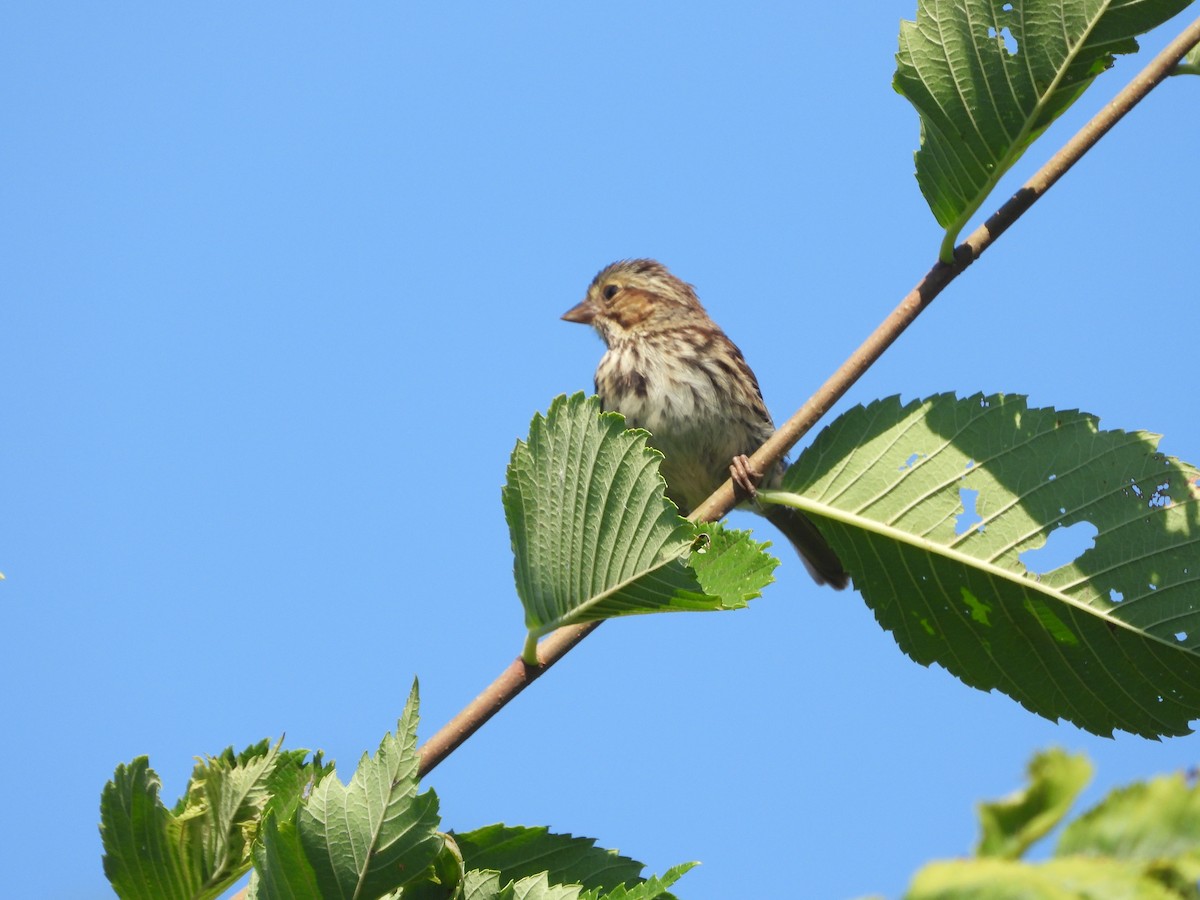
{"x": 818, "y": 557}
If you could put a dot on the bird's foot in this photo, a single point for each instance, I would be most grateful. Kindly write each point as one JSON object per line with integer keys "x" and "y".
{"x": 745, "y": 476}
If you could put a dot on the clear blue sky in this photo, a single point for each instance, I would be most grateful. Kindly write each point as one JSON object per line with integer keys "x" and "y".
{"x": 281, "y": 288}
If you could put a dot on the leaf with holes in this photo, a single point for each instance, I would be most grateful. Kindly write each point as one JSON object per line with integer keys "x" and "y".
{"x": 987, "y": 77}
{"x": 1108, "y": 640}
{"x": 594, "y": 536}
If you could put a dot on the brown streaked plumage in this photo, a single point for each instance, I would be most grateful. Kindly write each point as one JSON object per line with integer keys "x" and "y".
{"x": 671, "y": 370}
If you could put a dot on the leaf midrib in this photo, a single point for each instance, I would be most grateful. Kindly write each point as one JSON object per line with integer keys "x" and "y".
{"x": 571, "y": 616}
{"x": 1020, "y": 579}
{"x": 1016, "y": 148}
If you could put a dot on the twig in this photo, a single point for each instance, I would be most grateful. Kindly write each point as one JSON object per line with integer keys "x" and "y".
{"x": 511, "y": 682}
{"x": 942, "y": 274}
{"x": 518, "y": 675}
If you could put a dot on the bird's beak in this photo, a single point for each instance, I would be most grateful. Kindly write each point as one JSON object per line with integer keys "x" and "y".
{"x": 583, "y": 312}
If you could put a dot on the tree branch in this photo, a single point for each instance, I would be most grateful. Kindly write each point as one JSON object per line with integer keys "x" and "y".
{"x": 722, "y": 500}
{"x": 519, "y": 675}
{"x": 514, "y": 679}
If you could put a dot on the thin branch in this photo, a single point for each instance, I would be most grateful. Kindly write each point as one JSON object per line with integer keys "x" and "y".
{"x": 942, "y": 274}
{"x": 519, "y": 675}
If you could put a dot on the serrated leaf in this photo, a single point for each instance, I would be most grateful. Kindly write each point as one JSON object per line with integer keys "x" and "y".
{"x": 292, "y": 779}
{"x": 223, "y": 806}
{"x": 654, "y": 888}
{"x": 140, "y": 838}
{"x": 442, "y": 880}
{"x": 1012, "y": 825}
{"x": 731, "y": 565}
{"x": 202, "y": 846}
{"x": 1109, "y": 640}
{"x": 987, "y": 77}
{"x": 482, "y": 884}
{"x": 1152, "y": 820}
{"x": 281, "y": 868}
{"x": 376, "y": 833}
{"x": 538, "y": 887}
{"x": 594, "y": 536}
{"x": 517, "y": 852}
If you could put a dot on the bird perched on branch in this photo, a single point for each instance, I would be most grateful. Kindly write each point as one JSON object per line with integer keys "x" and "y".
{"x": 671, "y": 370}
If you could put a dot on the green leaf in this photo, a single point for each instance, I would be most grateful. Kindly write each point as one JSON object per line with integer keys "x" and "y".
{"x": 538, "y": 887}
{"x": 281, "y": 869}
{"x": 376, "y": 833}
{"x": 731, "y": 565}
{"x": 143, "y": 856}
{"x": 1109, "y": 640}
{"x": 1139, "y": 842}
{"x": 291, "y": 780}
{"x": 441, "y": 880}
{"x": 1190, "y": 64}
{"x": 202, "y": 846}
{"x": 987, "y": 77}
{"x": 1152, "y": 820}
{"x": 654, "y": 888}
{"x": 482, "y": 884}
{"x": 1012, "y": 825}
{"x": 1060, "y": 879}
{"x": 594, "y": 536}
{"x": 517, "y": 852}
{"x": 363, "y": 839}
{"x": 524, "y": 854}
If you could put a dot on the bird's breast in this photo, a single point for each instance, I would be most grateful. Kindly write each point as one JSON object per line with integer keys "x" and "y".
{"x": 690, "y": 419}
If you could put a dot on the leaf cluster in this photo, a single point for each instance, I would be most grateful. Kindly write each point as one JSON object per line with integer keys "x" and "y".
{"x": 1140, "y": 841}
{"x": 304, "y": 833}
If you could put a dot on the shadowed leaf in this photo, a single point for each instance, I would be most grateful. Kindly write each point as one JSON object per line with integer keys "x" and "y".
{"x": 1110, "y": 639}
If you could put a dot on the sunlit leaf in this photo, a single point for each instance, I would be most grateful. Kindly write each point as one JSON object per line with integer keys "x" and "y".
{"x": 1109, "y": 639}
{"x": 357, "y": 840}
{"x": 989, "y": 76}
{"x": 1013, "y": 824}
{"x": 1060, "y": 879}
{"x": 202, "y": 846}
{"x": 1150, "y": 820}
{"x": 594, "y": 536}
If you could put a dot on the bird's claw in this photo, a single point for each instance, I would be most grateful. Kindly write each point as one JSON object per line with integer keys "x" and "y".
{"x": 745, "y": 477}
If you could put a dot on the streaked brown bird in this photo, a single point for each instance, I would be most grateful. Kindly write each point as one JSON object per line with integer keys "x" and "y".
{"x": 671, "y": 370}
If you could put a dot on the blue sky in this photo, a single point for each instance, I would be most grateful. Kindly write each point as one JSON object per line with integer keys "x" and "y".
{"x": 282, "y": 287}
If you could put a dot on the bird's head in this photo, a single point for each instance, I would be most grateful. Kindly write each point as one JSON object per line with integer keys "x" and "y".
{"x": 635, "y": 296}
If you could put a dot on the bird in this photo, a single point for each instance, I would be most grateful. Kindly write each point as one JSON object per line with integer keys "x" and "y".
{"x": 672, "y": 371}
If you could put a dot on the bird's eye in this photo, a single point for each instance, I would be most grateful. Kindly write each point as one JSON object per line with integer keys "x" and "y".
{"x": 610, "y": 291}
